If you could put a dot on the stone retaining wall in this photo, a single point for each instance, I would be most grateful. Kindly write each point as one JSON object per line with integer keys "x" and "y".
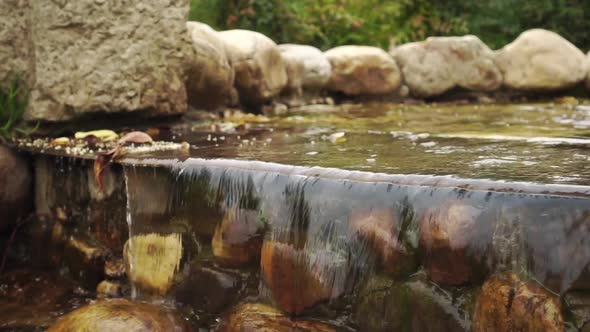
{"x": 538, "y": 61}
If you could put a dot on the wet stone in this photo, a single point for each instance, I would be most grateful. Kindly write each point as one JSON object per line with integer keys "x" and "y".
{"x": 556, "y": 234}
{"x": 152, "y": 261}
{"x": 107, "y": 288}
{"x": 252, "y": 317}
{"x": 578, "y": 303}
{"x": 455, "y": 239}
{"x": 31, "y": 299}
{"x": 507, "y": 303}
{"x": 15, "y": 187}
{"x": 120, "y": 315}
{"x": 83, "y": 257}
{"x": 114, "y": 269}
{"x": 416, "y": 305}
{"x": 298, "y": 279}
{"x": 207, "y": 289}
{"x": 238, "y": 238}
{"x": 61, "y": 188}
{"x": 379, "y": 229}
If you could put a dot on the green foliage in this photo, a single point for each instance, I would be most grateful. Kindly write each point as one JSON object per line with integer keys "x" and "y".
{"x": 13, "y": 103}
{"x": 329, "y": 23}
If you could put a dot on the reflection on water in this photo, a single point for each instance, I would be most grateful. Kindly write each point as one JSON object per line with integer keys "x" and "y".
{"x": 529, "y": 142}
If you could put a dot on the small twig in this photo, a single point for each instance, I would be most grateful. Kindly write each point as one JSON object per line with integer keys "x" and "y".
{"x": 11, "y": 240}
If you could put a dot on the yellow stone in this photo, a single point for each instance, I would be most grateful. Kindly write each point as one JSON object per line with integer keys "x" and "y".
{"x": 152, "y": 260}
{"x": 104, "y": 135}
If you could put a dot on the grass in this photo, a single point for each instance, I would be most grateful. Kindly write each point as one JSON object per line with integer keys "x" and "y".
{"x": 13, "y": 104}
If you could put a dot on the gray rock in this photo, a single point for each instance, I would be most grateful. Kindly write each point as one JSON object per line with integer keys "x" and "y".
{"x": 316, "y": 67}
{"x": 15, "y": 48}
{"x": 541, "y": 60}
{"x": 92, "y": 56}
{"x": 295, "y": 74}
{"x": 211, "y": 76}
{"x": 438, "y": 64}
{"x": 259, "y": 68}
{"x": 362, "y": 70}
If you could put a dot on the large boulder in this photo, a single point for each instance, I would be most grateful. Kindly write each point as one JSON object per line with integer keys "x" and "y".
{"x": 316, "y": 67}
{"x": 211, "y": 76}
{"x": 541, "y": 60}
{"x": 15, "y": 187}
{"x": 259, "y": 68}
{"x": 120, "y": 315}
{"x": 439, "y": 64}
{"x": 362, "y": 70}
{"x": 99, "y": 56}
{"x": 507, "y": 303}
{"x": 15, "y": 48}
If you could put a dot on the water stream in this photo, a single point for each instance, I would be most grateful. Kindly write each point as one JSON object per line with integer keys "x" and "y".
{"x": 375, "y": 217}
{"x": 326, "y": 237}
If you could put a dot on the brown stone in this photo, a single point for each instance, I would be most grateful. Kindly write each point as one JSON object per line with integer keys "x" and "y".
{"x": 253, "y": 317}
{"x": 114, "y": 269}
{"x": 120, "y": 315}
{"x": 207, "y": 289}
{"x": 378, "y": 229}
{"x": 83, "y": 257}
{"x": 30, "y": 299}
{"x": 107, "y": 288}
{"x": 384, "y": 304}
{"x": 299, "y": 280}
{"x": 507, "y": 303}
{"x": 15, "y": 187}
{"x": 454, "y": 240}
{"x": 238, "y": 238}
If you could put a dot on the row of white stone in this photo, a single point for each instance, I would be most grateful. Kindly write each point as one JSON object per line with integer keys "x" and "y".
{"x": 233, "y": 63}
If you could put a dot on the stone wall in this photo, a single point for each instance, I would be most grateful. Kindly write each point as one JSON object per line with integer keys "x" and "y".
{"x": 93, "y": 56}
{"x": 15, "y": 46}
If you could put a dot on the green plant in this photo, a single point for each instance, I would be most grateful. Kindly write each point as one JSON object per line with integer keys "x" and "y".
{"x": 329, "y": 23}
{"x": 13, "y": 104}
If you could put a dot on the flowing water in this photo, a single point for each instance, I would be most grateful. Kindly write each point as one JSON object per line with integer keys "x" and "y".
{"x": 335, "y": 216}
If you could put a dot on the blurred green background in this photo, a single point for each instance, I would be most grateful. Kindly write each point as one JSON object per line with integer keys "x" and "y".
{"x": 329, "y": 23}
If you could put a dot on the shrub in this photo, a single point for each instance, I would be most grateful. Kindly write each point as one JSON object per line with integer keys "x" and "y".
{"x": 13, "y": 103}
{"x": 329, "y": 23}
